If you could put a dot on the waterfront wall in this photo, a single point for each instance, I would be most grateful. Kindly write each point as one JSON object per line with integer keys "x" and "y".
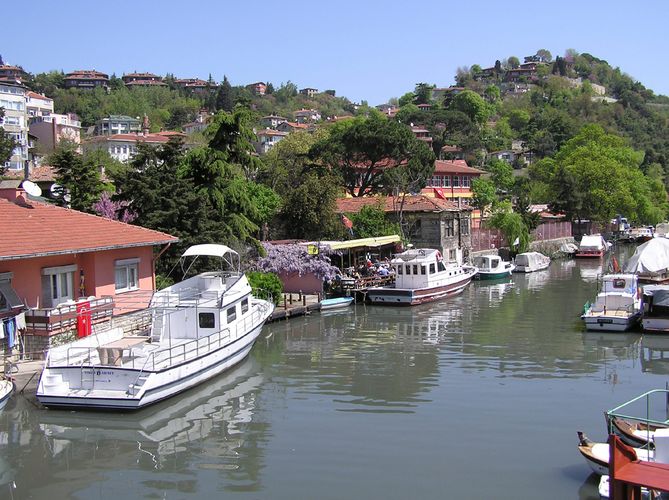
{"x": 489, "y": 239}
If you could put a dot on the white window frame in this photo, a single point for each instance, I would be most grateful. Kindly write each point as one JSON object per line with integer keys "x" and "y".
{"x": 60, "y": 283}
{"x": 130, "y": 267}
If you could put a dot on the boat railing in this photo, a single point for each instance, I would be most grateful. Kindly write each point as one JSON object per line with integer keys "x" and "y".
{"x": 649, "y": 406}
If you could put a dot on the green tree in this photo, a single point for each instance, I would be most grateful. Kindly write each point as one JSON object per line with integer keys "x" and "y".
{"x": 78, "y": 178}
{"x": 484, "y": 194}
{"x": 544, "y": 55}
{"x": 224, "y": 97}
{"x": 364, "y": 151}
{"x": 407, "y": 98}
{"x": 472, "y": 105}
{"x": 513, "y": 62}
{"x": 492, "y": 93}
{"x": 423, "y": 93}
{"x": 512, "y": 226}
{"x": 371, "y": 221}
{"x": 501, "y": 174}
{"x": 232, "y": 136}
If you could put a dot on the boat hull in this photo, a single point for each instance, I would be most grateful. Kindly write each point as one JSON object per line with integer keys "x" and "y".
{"x": 160, "y": 385}
{"x": 411, "y": 297}
{"x": 603, "y": 323}
{"x": 655, "y": 324}
{"x": 6, "y": 390}
{"x": 340, "y": 303}
{"x": 590, "y": 255}
{"x": 482, "y": 275}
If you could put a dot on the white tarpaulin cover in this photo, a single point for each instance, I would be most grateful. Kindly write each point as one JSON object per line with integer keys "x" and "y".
{"x": 592, "y": 242}
{"x": 651, "y": 257}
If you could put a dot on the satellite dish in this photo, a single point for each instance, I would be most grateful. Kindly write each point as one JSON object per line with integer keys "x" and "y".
{"x": 55, "y": 189}
{"x": 31, "y": 188}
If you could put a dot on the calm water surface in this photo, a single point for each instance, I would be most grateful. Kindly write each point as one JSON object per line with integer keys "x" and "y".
{"x": 479, "y": 396}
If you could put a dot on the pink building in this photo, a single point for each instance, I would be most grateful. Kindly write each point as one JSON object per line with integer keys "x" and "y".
{"x": 58, "y": 260}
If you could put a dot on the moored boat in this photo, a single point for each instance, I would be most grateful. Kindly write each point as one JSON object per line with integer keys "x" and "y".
{"x": 529, "y": 262}
{"x": 422, "y": 275}
{"x": 592, "y": 246}
{"x": 617, "y": 307}
{"x": 199, "y": 328}
{"x": 596, "y": 455}
{"x": 6, "y": 390}
{"x": 650, "y": 261}
{"x": 655, "y": 317}
{"x": 336, "y": 303}
{"x": 634, "y": 432}
{"x": 640, "y": 234}
{"x": 492, "y": 267}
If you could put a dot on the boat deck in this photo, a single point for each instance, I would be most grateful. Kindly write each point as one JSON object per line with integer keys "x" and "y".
{"x": 618, "y": 313}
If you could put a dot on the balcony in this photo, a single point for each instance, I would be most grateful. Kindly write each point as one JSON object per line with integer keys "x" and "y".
{"x": 55, "y": 320}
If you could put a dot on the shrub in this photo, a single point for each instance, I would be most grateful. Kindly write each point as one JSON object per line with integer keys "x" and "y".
{"x": 265, "y": 284}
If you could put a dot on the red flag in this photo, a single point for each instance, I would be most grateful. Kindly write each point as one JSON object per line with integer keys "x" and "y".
{"x": 346, "y": 221}
{"x": 439, "y": 193}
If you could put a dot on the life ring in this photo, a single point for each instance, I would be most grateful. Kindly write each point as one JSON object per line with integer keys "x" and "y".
{"x": 421, "y": 252}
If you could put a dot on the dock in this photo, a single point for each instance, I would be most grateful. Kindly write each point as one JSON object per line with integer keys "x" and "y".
{"x": 296, "y": 304}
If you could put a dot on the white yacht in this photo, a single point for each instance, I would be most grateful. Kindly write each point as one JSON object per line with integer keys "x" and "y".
{"x": 421, "y": 275}
{"x": 528, "y": 262}
{"x": 617, "y": 307}
{"x": 198, "y": 328}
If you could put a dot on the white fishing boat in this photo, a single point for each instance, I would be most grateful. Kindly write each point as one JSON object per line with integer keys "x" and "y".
{"x": 336, "y": 303}
{"x": 199, "y": 328}
{"x": 617, "y": 307}
{"x": 529, "y": 262}
{"x": 492, "y": 267}
{"x": 422, "y": 275}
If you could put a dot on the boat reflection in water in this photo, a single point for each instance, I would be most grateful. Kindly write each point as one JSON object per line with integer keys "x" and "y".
{"x": 654, "y": 354}
{"x": 226, "y": 403}
{"x": 590, "y": 270}
{"x": 536, "y": 280}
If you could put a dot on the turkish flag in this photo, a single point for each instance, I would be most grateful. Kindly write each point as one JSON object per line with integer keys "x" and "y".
{"x": 439, "y": 193}
{"x": 346, "y": 221}
{"x": 83, "y": 319}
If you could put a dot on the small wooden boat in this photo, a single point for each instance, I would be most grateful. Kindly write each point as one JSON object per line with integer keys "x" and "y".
{"x": 6, "y": 390}
{"x": 634, "y": 433}
{"x": 596, "y": 455}
{"x": 335, "y": 303}
{"x": 492, "y": 267}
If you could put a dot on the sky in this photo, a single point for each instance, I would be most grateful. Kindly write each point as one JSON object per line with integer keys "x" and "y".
{"x": 365, "y": 50}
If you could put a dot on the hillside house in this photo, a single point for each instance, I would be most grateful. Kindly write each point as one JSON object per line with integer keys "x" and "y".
{"x": 309, "y": 92}
{"x": 267, "y": 139}
{"x": 257, "y": 88}
{"x": 86, "y": 79}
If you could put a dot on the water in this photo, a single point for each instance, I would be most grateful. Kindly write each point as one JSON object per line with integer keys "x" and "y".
{"x": 479, "y": 396}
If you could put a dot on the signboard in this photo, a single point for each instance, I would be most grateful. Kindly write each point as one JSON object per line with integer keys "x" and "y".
{"x": 312, "y": 249}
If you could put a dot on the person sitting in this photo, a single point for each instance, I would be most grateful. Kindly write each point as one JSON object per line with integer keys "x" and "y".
{"x": 383, "y": 271}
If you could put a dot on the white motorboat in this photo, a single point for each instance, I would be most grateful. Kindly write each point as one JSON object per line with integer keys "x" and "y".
{"x": 422, "y": 275}
{"x": 651, "y": 261}
{"x": 617, "y": 307}
{"x": 492, "y": 267}
{"x": 199, "y": 328}
{"x": 6, "y": 390}
{"x": 592, "y": 246}
{"x": 529, "y": 262}
{"x": 655, "y": 317}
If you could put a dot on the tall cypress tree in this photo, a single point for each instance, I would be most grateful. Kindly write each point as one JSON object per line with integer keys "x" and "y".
{"x": 224, "y": 99}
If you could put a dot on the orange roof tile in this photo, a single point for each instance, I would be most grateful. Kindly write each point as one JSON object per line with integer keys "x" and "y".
{"x": 455, "y": 167}
{"x": 412, "y": 203}
{"x": 35, "y": 95}
{"x": 40, "y": 229}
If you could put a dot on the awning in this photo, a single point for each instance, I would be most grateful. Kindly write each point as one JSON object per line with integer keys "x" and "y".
{"x": 359, "y": 243}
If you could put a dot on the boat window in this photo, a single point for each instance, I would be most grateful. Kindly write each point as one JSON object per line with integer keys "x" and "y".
{"x": 399, "y": 269}
{"x": 207, "y": 320}
{"x": 441, "y": 266}
{"x": 618, "y": 283}
{"x": 432, "y": 268}
{"x": 408, "y": 269}
{"x": 245, "y": 305}
{"x": 415, "y": 268}
{"x": 232, "y": 313}
{"x": 422, "y": 269}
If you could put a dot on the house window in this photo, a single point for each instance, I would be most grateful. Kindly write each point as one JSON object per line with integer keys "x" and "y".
{"x": 449, "y": 227}
{"x": 456, "y": 181}
{"x": 447, "y": 181}
{"x": 126, "y": 275}
{"x": 464, "y": 226}
{"x": 9, "y": 299}
{"x": 232, "y": 314}
{"x": 57, "y": 285}
{"x": 451, "y": 254}
{"x": 245, "y": 306}
{"x": 207, "y": 320}
{"x": 465, "y": 181}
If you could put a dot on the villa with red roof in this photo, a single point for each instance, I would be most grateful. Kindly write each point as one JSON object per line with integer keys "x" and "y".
{"x": 123, "y": 147}
{"x": 452, "y": 179}
{"x": 54, "y": 261}
{"x": 430, "y": 222}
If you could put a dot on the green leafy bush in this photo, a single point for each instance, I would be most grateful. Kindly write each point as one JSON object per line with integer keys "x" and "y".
{"x": 265, "y": 285}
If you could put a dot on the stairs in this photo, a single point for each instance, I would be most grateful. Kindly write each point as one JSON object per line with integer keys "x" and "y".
{"x": 158, "y": 325}
{"x": 53, "y": 382}
{"x": 136, "y": 387}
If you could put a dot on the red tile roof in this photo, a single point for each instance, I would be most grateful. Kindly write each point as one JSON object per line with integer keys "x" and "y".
{"x": 145, "y": 83}
{"x": 413, "y": 203}
{"x": 35, "y": 95}
{"x": 151, "y": 138}
{"x": 40, "y": 229}
{"x": 42, "y": 173}
{"x": 87, "y": 75}
{"x": 455, "y": 167}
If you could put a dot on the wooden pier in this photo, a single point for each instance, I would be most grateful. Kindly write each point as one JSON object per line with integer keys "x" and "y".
{"x": 296, "y": 304}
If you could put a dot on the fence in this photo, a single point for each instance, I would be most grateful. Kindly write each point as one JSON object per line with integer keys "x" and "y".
{"x": 486, "y": 238}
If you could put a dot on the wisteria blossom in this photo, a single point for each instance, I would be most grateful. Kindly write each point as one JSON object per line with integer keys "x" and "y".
{"x": 105, "y": 207}
{"x": 295, "y": 259}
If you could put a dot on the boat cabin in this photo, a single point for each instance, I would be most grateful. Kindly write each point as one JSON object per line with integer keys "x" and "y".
{"x": 416, "y": 268}
{"x": 619, "y": 292}
{"x": 488, "y": 262}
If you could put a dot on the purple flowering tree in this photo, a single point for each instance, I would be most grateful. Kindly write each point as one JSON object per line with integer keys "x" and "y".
{"x": 113, "y": 209}
{"x": 295, "y": 259}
